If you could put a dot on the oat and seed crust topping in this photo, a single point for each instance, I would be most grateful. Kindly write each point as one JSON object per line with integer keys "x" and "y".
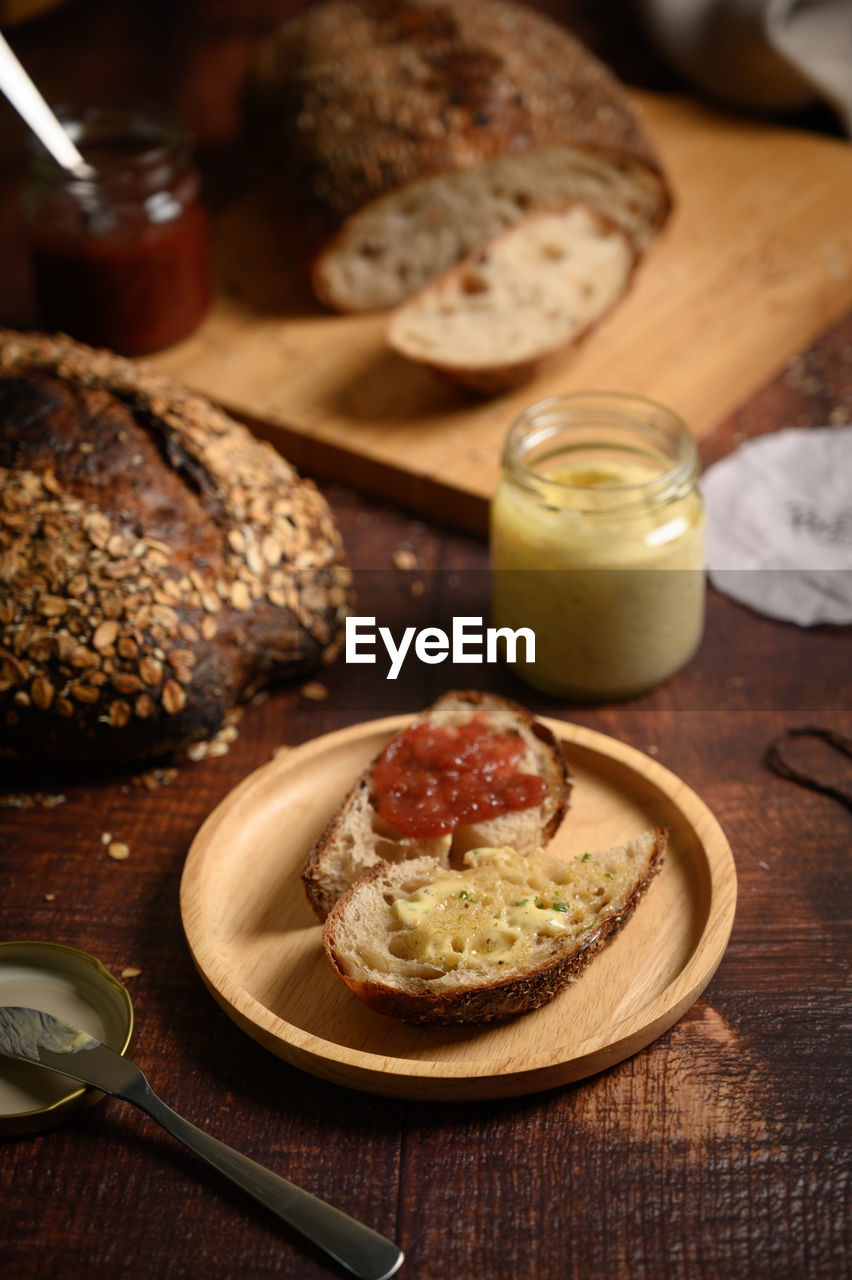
{"x": 104, "y": 625}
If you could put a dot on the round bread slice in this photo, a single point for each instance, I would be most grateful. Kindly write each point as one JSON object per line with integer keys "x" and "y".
{"x": 536, "y": 289}
{"x": 499, "y": 938}
{"x": 356, "y": 838}
{"x": 421, "y": 130}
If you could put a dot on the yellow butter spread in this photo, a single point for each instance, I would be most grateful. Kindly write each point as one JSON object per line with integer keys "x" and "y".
{"x": 593, "y": 533}
{"x": 597, "y": 545}
{"x": 616, "y": 601}
{"x": 504, "y": 905}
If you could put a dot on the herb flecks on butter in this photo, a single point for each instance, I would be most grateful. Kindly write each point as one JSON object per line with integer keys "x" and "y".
{"x": 504, "y": 906}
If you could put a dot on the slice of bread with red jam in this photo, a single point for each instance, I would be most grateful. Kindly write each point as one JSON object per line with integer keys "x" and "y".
{"x": 474, "y": 769}
{"x": 498, "y": 938}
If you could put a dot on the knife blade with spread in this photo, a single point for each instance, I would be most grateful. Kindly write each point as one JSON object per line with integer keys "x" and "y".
{"x": 29, "y": 1035}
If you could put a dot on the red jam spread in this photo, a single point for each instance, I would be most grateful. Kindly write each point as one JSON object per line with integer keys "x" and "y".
{"x": 433, "y": 778}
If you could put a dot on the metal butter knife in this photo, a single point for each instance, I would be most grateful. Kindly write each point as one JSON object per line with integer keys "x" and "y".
{"x": 32, "y": 1036}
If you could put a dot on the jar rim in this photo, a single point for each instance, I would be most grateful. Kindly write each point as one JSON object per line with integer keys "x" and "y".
{"x": 543, "y": 422}
{"x": 163, "y": 137}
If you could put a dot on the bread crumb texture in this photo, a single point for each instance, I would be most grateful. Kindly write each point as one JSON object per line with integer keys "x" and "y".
{"x": 531, "y": 291}
{"x": 503, "y": 909}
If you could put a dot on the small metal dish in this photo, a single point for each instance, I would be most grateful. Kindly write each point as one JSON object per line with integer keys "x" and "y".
{"x": 73, "y": 986}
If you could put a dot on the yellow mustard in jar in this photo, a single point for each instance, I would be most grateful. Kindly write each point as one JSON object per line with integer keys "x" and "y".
{"x": 597, "y": 544}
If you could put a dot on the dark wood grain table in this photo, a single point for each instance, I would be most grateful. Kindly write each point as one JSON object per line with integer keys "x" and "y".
{"x": 721, "y": 1150}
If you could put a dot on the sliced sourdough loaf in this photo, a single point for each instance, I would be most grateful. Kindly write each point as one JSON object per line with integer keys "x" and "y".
{"x": 357, "y": 838}
{"x": 533, "y": 290}
{"x": 499, "y": 938}
{"x": 422, "y": 129}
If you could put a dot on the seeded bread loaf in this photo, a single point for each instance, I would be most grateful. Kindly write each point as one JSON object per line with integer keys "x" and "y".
{"x": 157, "y": 563}
{"x": 533, "y": 290}
{"x": 499, "y": 938}
{"x": 422, "y": 128}
{"x": 356, "y": 838}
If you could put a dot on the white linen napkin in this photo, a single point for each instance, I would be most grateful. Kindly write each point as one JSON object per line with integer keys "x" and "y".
{"x": 779, "y": 525}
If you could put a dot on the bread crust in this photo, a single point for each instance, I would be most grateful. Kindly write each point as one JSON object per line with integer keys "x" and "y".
{"x": 157, "y": 562}
{"x": 361, "y": 97}
{"x": 480, "y": 1000}
{"x": 349, "y": 844}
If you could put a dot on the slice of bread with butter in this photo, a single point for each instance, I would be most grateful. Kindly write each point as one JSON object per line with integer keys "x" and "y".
{"x": 498, "y": 938}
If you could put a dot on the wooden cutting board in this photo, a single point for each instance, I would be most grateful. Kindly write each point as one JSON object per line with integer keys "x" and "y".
{"x": 754, "y": 264}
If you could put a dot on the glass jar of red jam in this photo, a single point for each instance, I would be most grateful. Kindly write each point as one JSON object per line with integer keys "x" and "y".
{"x": 119, "y": 249}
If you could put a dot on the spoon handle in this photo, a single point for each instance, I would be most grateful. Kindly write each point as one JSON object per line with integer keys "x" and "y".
{"x": 356, "y": 1247}
{"x": 28, "y": 102}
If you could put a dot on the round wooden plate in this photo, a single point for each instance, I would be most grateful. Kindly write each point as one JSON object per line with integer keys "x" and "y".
{"x": 257, "y": 944}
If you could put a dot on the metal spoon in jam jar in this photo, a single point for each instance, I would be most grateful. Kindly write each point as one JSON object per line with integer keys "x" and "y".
{"x": 31, "y": 106}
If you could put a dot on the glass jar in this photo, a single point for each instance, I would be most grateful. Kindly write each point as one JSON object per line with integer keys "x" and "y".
{"x": 597, "y": 544}
{"x": 119, "y": 250}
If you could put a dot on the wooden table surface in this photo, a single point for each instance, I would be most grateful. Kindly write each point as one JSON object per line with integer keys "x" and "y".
{"x": 721, "y": 1150}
